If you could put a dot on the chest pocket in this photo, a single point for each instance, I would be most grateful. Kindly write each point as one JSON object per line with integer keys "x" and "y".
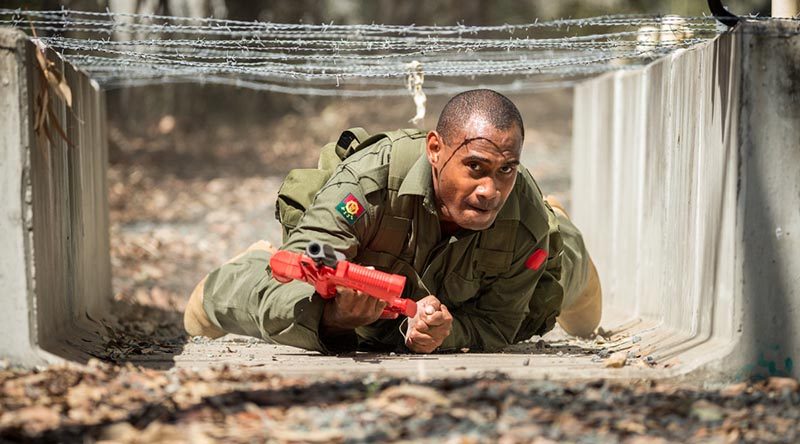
{"x": 392, "y": 235}
{"x": 459, "y": 290}
{"x": 495, "y": 250}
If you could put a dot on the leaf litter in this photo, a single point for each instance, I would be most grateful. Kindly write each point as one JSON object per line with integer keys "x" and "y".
{"x": 126, "y": 403}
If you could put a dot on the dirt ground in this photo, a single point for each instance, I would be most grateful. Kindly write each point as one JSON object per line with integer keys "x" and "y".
{"x": 183, "y": 200}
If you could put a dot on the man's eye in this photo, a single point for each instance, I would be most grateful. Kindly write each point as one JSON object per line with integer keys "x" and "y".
{"x": 507, "y": 169}
{"x": 474, "y": 166}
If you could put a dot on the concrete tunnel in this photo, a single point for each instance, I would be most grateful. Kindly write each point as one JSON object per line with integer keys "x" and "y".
{"x": 686, "y": 184}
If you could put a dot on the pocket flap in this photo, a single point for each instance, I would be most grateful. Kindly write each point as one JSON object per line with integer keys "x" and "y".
{"x": 459, "y": 290}
{"x": 392, "y": 235}
{"x": 492, "y": 261}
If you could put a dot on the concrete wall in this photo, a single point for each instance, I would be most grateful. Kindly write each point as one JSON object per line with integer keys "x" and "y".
{"x": 686, "y": 183}
{"x": 55, "y": 268}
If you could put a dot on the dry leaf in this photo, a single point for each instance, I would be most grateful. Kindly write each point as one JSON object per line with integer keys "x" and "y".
{"x": 65, "y": 91}
{"x": 631, "y": 426}
{"x": 734, "y": 390}
{"x": 313, "y": 436}
{"x": 706, "y": 411}
{"x": 419, "y": 392}
{"x": 33, "y": 420}
{"x": 782, "y": 384}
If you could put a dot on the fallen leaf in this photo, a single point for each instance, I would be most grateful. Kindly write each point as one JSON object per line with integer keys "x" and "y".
{"x": 733, "y": 390}
{"x": 314, "y": 436}
{"x": 32, "y": 420}
{"x": 120, "y": 432}
{"x": 706, "y": 411}
{"x": 630, "y": 426}
{"x": 419, "y": 392}
{"x": 782, "y": 384}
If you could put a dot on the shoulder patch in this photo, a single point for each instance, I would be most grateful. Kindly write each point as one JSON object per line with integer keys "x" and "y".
{"x": 350, "y": 208}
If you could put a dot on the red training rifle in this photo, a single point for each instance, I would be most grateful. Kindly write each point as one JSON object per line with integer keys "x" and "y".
{"x": 324, "y": 268}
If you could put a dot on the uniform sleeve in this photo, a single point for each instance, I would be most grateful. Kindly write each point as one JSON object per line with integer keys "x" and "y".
{"x": 519, "y": 304}
{"x": 328, "y": 220}
{"x": 290, "y": 314}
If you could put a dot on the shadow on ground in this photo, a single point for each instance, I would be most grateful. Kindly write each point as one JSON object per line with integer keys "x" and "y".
{"x": 143, "y": 335}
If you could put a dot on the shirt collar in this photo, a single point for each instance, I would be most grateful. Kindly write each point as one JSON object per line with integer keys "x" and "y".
{"x": 419, "y": 179}
{"x": 419, "y": 182}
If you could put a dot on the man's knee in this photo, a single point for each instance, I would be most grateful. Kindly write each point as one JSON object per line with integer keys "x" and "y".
{"x": 195, "y": 319}
{"x": 583, "y": 308}
{"x": 583, "y": 316}
{"x": 260, "y": 245}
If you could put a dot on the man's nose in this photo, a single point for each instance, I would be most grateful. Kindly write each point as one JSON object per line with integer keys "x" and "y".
{"x": 486, "y": 190}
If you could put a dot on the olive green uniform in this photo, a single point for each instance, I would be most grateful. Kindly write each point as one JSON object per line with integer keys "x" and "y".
{"x": 486, "y": 279}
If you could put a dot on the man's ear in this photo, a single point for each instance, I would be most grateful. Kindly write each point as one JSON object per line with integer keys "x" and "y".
{"x": 433, "y": 147}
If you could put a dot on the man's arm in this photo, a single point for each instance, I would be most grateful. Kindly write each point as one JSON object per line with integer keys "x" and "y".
{"x": 492, "y": 320}
{"x": 520, "y": 303}
{"x": 241, "y": 297}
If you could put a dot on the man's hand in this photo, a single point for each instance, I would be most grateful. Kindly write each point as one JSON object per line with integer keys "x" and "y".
{"x": 428, "y": 329}
{"x": 350, "y": 309}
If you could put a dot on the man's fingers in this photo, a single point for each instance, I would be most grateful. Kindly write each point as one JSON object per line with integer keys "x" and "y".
{"x": 359, "y": 303}
{"x": 447, "y": 318}
{"x": 431, "y": 301}
{"x": 378, "y": 305}
{"x": 439, "y": 331}
{"x": 436, "y": 331}
{"x": 345, "y": 292}
{"x": 421, "y": 339}
{"x": 436, "y": 319}
{"x": 421, "y": 343}
{"x": 431, "y": 326}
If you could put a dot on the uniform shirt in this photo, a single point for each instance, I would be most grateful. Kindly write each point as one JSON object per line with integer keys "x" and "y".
{"x": 485, "y": 278}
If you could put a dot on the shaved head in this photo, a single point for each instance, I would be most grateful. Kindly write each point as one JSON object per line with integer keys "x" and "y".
{"x": 486, "y": 104}
{"x": 474, "y": 155}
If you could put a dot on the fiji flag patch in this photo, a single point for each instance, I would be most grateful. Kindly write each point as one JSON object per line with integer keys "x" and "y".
{"x": 350, "y": 208}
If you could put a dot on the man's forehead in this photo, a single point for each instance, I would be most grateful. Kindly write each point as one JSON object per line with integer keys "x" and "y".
{"x": 484, "y": 149}
{"x": 483, "y": 132}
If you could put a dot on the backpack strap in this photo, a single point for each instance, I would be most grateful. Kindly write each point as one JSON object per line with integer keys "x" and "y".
{"x": 350, "y": 141}
{"x": 395, "y": 226}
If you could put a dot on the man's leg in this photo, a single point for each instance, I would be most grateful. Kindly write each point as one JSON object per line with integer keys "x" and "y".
{"x": 583, "y": 296}
{"x": 195, "y": 319}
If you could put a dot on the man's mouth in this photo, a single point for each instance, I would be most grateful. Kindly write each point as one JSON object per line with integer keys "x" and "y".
{"x": 480, "y": 210}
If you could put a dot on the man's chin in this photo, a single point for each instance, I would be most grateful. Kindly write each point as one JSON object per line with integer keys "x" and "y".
{"x": 478, "y": 222}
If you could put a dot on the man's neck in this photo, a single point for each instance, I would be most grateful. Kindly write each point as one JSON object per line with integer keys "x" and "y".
{"x": 448, "y": 228}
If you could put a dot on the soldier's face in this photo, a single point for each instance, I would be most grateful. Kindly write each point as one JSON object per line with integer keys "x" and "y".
{"x": 474, "y": 173}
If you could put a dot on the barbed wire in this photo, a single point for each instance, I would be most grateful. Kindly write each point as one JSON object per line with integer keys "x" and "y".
{"x": 123, "y": 50}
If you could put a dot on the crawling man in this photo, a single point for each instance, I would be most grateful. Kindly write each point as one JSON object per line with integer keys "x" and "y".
{"x": 488, "y": 259}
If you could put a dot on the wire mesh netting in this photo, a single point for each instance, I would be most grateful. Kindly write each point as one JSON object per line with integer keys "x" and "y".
{"x": 122, "y": 50}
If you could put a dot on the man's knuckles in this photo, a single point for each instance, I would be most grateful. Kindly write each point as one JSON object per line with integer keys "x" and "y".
{"x": 437, "y": 319}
